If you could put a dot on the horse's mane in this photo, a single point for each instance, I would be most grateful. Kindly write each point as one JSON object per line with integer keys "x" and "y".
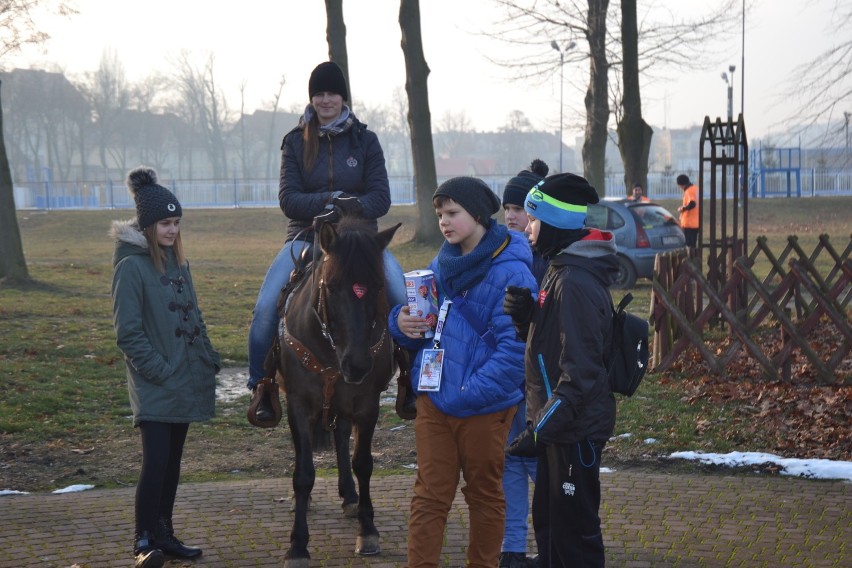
{"x": 356, "y": 256}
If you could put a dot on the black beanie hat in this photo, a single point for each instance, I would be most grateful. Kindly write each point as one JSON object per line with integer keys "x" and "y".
{"x": 518, "y": 187}
{"x": 472, "y": 194}
{"x": 153, "y": 201}
{"x": 328, "y": 77}
{"x": 683, "y": 180}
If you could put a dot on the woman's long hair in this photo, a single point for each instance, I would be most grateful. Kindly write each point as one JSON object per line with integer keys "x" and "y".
{"x": 310, "y": 135}
{"x": 158, "y": 256}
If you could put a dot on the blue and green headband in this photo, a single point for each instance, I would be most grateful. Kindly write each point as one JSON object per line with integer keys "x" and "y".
{"x": 557, "y": 213}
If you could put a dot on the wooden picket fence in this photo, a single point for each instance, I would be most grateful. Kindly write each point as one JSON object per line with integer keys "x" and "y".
{"x": 794, "y": 297}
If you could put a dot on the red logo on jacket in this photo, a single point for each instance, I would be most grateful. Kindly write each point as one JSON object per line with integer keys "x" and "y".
{"x": 542, "y": 296}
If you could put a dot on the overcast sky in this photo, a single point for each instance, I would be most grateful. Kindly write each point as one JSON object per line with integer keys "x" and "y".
{"x": 260, "y": 41}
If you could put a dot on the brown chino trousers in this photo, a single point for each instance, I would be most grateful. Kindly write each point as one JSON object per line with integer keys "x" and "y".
{"x": 446, "y": 446}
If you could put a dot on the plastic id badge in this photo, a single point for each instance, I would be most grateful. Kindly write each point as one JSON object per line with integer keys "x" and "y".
{"x": 430, "y": 370}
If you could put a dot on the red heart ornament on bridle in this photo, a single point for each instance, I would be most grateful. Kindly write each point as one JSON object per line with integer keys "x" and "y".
{"x": 359, "y": 290}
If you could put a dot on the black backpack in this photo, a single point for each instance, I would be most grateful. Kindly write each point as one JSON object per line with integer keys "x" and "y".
{"x": 628, "y": 355}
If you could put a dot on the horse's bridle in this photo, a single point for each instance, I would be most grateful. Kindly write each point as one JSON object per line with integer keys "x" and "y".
{"x": 329, "y": 373}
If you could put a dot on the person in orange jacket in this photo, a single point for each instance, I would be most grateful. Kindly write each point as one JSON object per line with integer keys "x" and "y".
{"x": 689, "y": 211}
{"x": 638, "y": 194}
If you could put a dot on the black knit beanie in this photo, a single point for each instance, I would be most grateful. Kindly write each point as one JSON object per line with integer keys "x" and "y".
{"x": 328, "y": 77}
{"x": 683, "y": 180}
{"x": 472, "y": 194}
{"x": 517, "y": 188}
{"x": 153, "y": 201}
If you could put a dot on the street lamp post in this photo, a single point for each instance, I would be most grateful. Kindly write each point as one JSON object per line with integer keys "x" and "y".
{"x": 562, "y": 53}
{"x": 730, "y": 84}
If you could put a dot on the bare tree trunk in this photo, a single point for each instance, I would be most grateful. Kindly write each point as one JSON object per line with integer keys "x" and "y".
{"x": 419, "y": 120}
{"x": 13, "y": 266}
{"x": 597, "y": 98}
{"x": 335, "y": 36}
{"x": 634, "y": 134}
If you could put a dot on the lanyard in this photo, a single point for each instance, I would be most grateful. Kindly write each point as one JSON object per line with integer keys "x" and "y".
{"x": 442, "y": 317}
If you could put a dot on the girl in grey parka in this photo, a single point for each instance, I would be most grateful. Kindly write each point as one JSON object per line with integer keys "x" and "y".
{"x": 171, "y": 364}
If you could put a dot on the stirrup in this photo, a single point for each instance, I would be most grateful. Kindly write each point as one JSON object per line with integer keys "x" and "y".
{"x": 265, "y": 391}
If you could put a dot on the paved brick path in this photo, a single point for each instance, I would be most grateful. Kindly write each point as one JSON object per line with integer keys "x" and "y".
{"x": 651, "y": 520}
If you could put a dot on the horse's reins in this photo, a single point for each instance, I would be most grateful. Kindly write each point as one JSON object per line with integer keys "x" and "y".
{"x": 330, "y": 373}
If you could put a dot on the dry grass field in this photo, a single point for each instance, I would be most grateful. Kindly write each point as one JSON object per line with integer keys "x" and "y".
{"x": 64, "y": 414}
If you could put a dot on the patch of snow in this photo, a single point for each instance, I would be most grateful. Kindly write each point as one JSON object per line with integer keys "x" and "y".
{"x": 12, "y": 492}
{"x": 808, "y": 468}
{"x": 73, "y": 489}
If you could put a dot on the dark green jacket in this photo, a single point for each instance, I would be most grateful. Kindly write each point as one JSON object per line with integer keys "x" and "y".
{"x": 171, "y": 365}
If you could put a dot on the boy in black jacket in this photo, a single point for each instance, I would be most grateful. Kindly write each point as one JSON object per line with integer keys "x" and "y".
{"x": 570, "y": 406}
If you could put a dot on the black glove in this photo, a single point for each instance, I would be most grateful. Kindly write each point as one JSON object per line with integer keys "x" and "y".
{"x": 331, "y": 214}
{"x": 524, "y": 446}
{"x": 349, "y": 205}
{"x": 518, "y": 304}
{"x": 553, "y": 420}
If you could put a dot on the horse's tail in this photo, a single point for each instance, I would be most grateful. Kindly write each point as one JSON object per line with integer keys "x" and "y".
{"x": 322, "y": 437}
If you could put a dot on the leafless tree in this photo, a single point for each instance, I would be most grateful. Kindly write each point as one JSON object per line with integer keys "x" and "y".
{"x": 17, "y": 24}
{"x": 455, "y": 130}
{"x": 822, "y": 87}
{"x": 666, "y": 42}
{"x": 206, "y": 108}
{"x": 17, "y": 28}
{"x": 108, "y": 93}
{"x": 271, "y": 146}
{"x": 419, "y": 119}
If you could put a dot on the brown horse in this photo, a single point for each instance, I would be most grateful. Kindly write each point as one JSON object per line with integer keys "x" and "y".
{"x": 336, "y": 357}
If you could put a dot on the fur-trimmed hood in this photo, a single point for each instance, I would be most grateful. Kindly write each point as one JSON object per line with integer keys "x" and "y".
{"x": 128, "y": 238}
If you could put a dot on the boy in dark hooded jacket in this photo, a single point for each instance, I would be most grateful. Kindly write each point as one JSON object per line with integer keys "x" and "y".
{"x": 570, "y": 406}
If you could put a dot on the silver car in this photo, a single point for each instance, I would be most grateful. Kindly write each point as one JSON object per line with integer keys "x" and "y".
{"x": 641, "y": 230}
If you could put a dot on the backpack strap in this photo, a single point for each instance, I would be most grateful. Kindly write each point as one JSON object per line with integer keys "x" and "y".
{"x": 614, "y": 341}
{"x": 622, "y": 305}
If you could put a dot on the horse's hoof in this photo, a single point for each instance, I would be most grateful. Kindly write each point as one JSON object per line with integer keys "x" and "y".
{"x": 350, "y": 510}
{"x": 295, "y": 563}
{"x": 367, "y": 545}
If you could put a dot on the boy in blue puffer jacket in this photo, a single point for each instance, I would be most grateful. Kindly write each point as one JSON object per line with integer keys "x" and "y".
{"x": 474, "y": 372}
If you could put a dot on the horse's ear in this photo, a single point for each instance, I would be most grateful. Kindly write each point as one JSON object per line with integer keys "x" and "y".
{"x": 384, "y": 237}
{"x": 327, "y": 237}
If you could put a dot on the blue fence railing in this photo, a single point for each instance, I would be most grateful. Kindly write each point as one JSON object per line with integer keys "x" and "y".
{"x": 264, "y": 193}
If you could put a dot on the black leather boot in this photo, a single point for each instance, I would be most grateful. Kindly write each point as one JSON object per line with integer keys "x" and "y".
{"x": 167, "y": 541}
{"x": 264, "y": 412}
{"x": 146, "y": 553}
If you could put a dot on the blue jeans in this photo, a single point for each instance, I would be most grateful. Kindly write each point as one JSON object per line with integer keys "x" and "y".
{"x": 264, "y": 322}
{"x": 517, "y": 474}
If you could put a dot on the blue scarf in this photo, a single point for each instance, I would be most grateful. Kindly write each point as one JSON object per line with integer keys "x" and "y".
{"x": 462, "y": 272}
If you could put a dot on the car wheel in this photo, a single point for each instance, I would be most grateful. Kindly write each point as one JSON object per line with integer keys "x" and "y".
{"x": 626, "y": 277}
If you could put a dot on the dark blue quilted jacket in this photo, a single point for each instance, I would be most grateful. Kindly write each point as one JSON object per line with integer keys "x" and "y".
{"x": 351, "y": 161}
